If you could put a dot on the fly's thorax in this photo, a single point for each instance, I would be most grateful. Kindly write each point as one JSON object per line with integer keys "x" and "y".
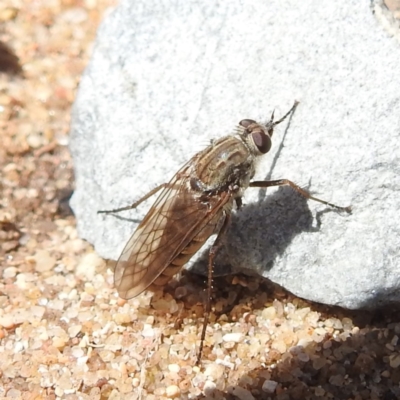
{"x": 227, "y": 162}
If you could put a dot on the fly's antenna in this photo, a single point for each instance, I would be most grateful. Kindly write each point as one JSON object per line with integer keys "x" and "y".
{"x": 289, "y": 112}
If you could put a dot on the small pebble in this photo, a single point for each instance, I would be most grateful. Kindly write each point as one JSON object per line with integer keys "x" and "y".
{"x": 319, "y": 391}
{"x": 269, "y": 313}
{"x": 241, "y": 393}
{"x": 304, "y": 357}
{"x": 44, "y": 262}
{"x": 269, "y": 386}
{"x": 172, "y": 391}
{"x": 394, "y": 360}
{"x": 88, "y": 265}
{"x": 385, "y": 374}
{"x": 214, "y": 371}
{"x": 77, "y": 352}
{"x": 318, "y": 363}
{"x": 280, "y": 346}
{"x": 9, "y": 272}
{"x": 148, "y": 331}
{"x": 209, "y": 388}
{"x": 174, "y": 368}
{"x": 180, "y": 292}
{"x": 233, "y": 337}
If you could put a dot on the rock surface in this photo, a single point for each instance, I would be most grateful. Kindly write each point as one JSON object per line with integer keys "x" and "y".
{"x": 165, "y": 79}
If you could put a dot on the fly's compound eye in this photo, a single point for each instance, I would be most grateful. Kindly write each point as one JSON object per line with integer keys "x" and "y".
{"x": 262, "y": 141}
{"x": 246, "y": 122}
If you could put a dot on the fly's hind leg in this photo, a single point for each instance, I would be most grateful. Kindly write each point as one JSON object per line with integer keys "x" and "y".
{"x": 211, "y": 256}
{"x": 282, "y": 182}
{"x": 136, "y": 203}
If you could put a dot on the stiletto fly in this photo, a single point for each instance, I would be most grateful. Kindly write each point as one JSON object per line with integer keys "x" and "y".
{"x": 194, "y": 205}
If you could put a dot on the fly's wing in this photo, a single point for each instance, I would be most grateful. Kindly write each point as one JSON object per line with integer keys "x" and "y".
{"x": 169, "y": 226}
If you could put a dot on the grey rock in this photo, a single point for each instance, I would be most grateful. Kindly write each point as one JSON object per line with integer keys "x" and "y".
{"x": 166, "y": 78}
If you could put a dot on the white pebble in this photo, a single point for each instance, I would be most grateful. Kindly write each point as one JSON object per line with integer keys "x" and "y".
{"x": 174, "y": 368}
{"x": 148, "y": 331}
{"x": 88, "y": 265}
{"x": 172, "y": 391}
{"x": 9, "y": 272}
{"x": 18, "y": 347}
{"x": 77, "y": 352}
{"x": 233, "y": 337}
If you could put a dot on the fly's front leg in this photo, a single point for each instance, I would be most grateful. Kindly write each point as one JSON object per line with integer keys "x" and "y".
{"x": 136, "y": 203}
{"x": 211, "y": 256}
{"x": 282, "y": 182}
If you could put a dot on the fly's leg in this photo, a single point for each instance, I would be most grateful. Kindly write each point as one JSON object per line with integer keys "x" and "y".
{"x": 282, "y": 182}
{"x": 211, "y": 256}
{"x": 136, "y": 203}
{"x": 238, "y": 202}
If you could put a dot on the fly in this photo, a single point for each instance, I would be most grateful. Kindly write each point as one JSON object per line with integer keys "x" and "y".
{"x": 194, "y": 205}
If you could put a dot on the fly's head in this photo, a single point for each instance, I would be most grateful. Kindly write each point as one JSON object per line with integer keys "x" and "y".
{"x": 258, "y": 136}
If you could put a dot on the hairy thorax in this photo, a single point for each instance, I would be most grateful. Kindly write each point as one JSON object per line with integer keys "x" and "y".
{"x": 226, "y": 164}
